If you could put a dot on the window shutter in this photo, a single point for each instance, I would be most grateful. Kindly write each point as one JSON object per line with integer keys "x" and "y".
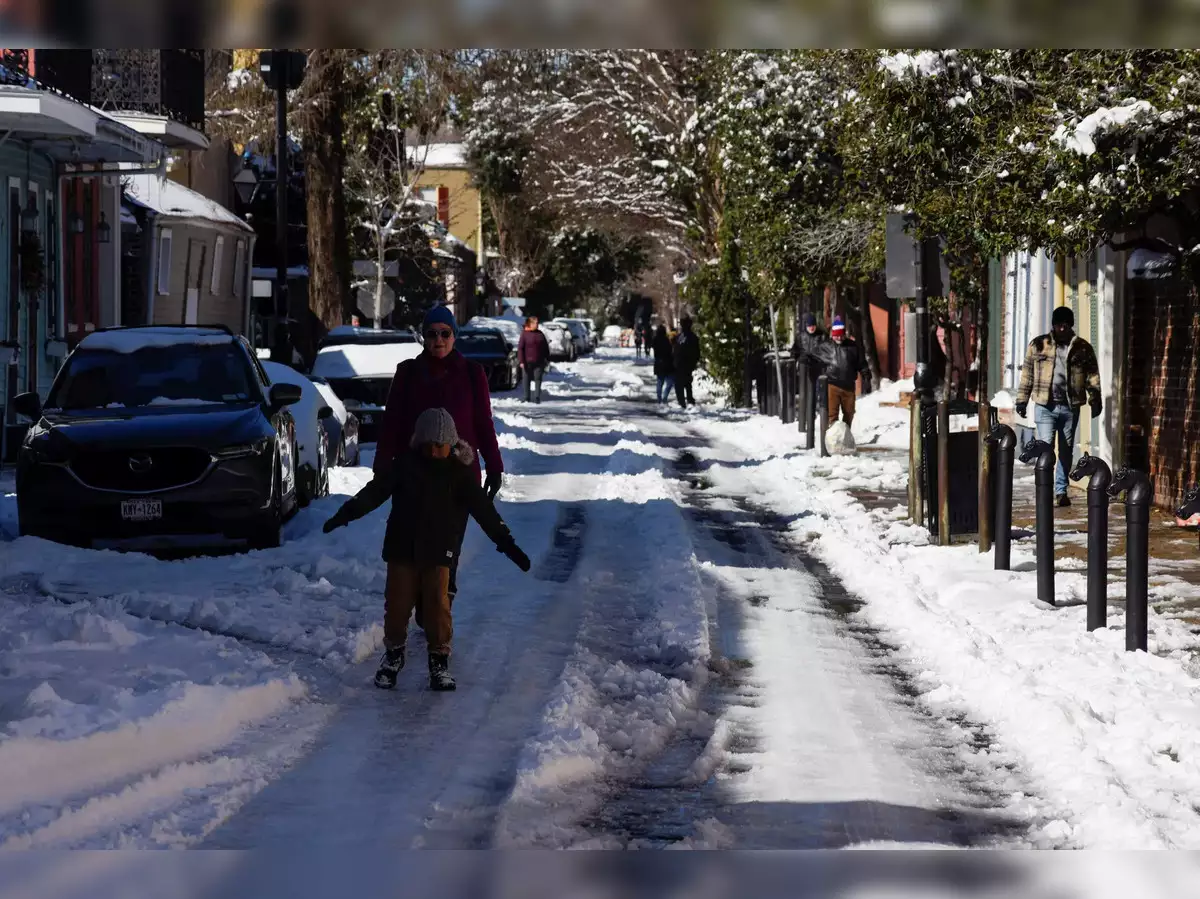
{"x": 443, "y": 201}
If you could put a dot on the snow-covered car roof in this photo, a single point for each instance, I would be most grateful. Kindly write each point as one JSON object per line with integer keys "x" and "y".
{"x": 130, "y": 340}
{"x": 363, "y": 360}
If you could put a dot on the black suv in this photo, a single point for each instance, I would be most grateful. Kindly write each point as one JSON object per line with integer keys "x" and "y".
{"x": 155, "y": 433}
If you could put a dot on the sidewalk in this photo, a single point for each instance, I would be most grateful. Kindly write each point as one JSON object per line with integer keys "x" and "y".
{"x": 1174, "y": 582}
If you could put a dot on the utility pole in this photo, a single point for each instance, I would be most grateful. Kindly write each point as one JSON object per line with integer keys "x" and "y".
{"x": 282, "y": 70}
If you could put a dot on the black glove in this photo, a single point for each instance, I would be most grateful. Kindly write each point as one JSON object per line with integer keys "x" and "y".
{"x": 336, "y": 521}
{"x": 1097, "y": 406}
{"x": 518, "y": 558}
{"x": 492, "y": 483}
{"x": 1021, "y": 409}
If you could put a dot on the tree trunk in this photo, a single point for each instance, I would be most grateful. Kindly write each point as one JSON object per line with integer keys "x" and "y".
{"x": 329, "y": 296}
{"x": 868, "y": 333}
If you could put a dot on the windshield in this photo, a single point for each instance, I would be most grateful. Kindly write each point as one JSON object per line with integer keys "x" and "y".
{"x": 176, "y": 375}
{"x": 368, "y": 337}
{"x": 480, "y": 343}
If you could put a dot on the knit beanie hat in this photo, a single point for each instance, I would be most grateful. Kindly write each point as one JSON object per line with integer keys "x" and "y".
{"x": 810, "y": 320}
{"x": 439, "y": 315}
{"x": 838, "y": 328}
{"x": 434, "y": 426}
{"x": 1064, "y": 316}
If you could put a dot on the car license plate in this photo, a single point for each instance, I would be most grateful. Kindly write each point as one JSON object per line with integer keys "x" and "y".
{"x": 141, "y": 509}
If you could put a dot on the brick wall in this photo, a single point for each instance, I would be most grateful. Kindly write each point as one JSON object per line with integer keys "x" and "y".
{"x": 1162, "y": 392}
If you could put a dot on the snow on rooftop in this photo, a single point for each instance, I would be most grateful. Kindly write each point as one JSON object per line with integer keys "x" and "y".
{"x": 130, "y": 340}
{"x": 441, "y": 156}
{"x": 169, "y": 198}
{"x": 360, "y": 360}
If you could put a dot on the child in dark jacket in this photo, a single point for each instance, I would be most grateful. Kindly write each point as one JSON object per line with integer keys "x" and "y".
{"x": 433, "y": 489}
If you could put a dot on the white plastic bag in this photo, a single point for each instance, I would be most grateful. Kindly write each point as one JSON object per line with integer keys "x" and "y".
{"x": 839, "y": 439}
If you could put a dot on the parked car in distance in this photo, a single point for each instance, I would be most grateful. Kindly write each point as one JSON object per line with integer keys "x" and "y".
{"x": 612, "y": 336}
{"x": 562, "y": 344}
{"x": 509, "y": 327}
{"x": 155, "y": 437}
{"x": 341, "y": 428}
{"x": 579, "y": 333}
{"x": 361, "y": 375}
{"x": 312, "y": 460}
{"x": 344, "y": 334}
{"x": 488, "y": 347}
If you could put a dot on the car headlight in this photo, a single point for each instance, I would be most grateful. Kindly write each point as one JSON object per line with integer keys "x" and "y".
{"x": 243, "y": 450}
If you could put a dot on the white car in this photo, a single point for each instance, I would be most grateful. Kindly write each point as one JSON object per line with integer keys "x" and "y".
{"x": 361, "y": 376}
{"x": 612, "y": 336}
{"x": 562, "y": 344}
{"x": 341, "y": 430}
{"x": 312, "y": 468}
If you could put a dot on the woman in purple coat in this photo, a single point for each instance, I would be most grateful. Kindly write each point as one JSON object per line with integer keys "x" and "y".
{"x": 533, "y": 354}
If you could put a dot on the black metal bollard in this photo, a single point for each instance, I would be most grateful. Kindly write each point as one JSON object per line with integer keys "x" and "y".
{"x": 1041, "y": 454}
{"x": 1097, "y": 561}
{"x": 1136, "y": 486}
{"x": 1004, "y": 439}
{"x": 823, "y": 406}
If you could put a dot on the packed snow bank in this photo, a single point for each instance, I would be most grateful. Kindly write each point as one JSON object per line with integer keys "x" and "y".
{"x": 1112, "y": 738}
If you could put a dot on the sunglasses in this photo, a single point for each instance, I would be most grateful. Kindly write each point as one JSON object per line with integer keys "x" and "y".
{"x": 436, "y": 333}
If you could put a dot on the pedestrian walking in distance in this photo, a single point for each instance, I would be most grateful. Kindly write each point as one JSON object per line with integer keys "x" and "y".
{"x": 805, "y": 348}
{"x": 637, "y": 340}
{"x": 433, "y": 489}
{"x": 664, "y": 364}
{"x": 1060, "y": 374}
{"x": 687, "y": 360}
{"x": 533, "y": 355}
{"x": 843, "y": 361}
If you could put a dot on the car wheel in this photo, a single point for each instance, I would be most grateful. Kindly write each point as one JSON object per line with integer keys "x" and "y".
{"x": 323, "y": 474}
{"x": 341, "y": 453}
{"x": 269, "y": 533}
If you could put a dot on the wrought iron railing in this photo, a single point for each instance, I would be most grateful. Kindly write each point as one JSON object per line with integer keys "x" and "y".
{"x": 158, "y": 82}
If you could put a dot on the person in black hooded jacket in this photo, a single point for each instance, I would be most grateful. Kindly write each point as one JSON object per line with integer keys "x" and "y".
{"x": 664, "y": 364}
{"x": 433, "y": 489}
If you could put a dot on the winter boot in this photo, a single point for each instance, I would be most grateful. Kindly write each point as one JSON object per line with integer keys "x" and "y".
{"x": 389, "y": 667}
{"x": 1063, "y": 501}
{"x": 439, "y": 672}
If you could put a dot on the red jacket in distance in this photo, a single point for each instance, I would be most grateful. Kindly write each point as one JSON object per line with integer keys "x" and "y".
{"x": 533, "y": 349}
{"x": 455, "y": 384}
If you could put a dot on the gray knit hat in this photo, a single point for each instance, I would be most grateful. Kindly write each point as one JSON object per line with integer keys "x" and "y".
{"x": 434, "y": 426}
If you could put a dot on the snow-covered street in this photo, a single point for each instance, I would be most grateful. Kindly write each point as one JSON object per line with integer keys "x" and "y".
{"x": 716, "y": 647}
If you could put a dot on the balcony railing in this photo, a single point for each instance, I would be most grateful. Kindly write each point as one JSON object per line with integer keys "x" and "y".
{"x": 67, "y": 72}
{"x": 167, "y": 83}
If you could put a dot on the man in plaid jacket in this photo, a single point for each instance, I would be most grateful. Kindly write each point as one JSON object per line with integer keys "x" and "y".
{"x": 1060, "y": 374}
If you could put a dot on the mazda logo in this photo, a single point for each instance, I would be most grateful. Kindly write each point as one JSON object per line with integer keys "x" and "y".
{"x": 140, "y": 463}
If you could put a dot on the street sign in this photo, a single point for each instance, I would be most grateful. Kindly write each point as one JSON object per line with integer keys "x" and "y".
{"x": 903, "y": 252}
{"x": 287, "y": 65}
{"x": 364, "y": 299}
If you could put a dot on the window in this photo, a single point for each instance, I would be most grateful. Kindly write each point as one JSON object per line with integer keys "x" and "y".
{"x": 164, "y": 262}
{"x": 429, "y": 194}
{"x": 218, "y": 258}
{"x": 239, "y": 265}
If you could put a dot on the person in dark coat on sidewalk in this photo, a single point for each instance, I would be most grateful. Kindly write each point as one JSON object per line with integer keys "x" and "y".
{"x": 433, "y": 490}
{"x": 687, "y": 360}
{"x": 442, "y": 378}
{"x": 664, "y": 364}
{"x": 807, "y": 340}
{"x": 844, "y": 361}
{"x": 533, "y": 355}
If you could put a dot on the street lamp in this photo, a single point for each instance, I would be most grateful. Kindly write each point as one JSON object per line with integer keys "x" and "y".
{"x": 244, "y": 184}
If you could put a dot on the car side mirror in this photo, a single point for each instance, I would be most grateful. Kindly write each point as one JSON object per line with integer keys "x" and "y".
{"x": 325, "y": 412}
{"x": 284, "y": 395}
{"x": 28, "y": 404}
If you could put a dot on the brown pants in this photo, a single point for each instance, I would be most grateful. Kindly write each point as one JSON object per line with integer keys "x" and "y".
{"x": 409, "y": 587}
{"x": 843, "y": 400}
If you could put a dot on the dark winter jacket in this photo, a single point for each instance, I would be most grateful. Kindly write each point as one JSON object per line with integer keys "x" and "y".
{"x": 533, "y": 349}
{"x": 431, "y": 499}
{"x": 455, "y": 384}
{"x": 843, "y": 362}
{"x": 664, "y": 356}
{"x": 687, "y": 352}
{"x": 805, "y": 347}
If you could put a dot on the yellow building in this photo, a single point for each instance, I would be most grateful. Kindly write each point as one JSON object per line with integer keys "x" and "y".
{"x": 447, "y": 183}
